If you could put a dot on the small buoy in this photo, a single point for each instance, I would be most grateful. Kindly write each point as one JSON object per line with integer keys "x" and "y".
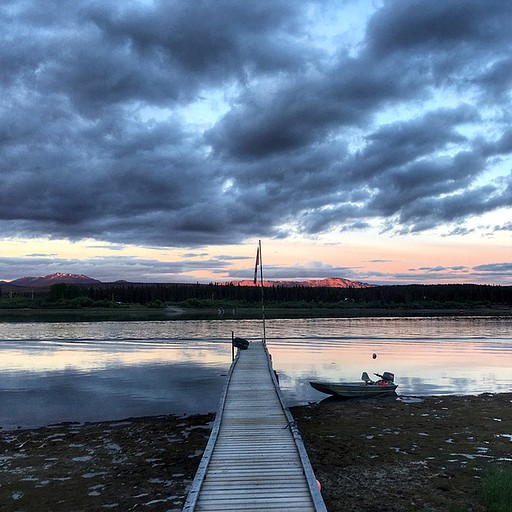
{"x": 374, "y": 355}
{"x": 319, "y": 485}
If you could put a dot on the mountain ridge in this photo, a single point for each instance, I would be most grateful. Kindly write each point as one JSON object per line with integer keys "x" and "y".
{"x": 50, "y": 279}
{"x": 81, "y": 279}
{"x": 327, "y": 282}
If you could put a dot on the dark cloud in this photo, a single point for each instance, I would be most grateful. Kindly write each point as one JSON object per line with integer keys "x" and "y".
{"x": 306, "y": 108}
{"x": 402, "y": 26}
{"x": 493, "y": 272}
{"x": 502, "y": 146}
{"x": 400, "y": 143}
{"x": 399, "y": 129}
{"x": 459, "y": 231}
{"x": 495, "y": 267}
{"x": 505, "y": 227}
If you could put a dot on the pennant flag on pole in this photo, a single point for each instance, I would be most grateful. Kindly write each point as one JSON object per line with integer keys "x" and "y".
{"x": 256, "y": 266}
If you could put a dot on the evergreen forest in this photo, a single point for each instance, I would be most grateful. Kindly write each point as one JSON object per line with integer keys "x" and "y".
{"x": 231, "y": 295}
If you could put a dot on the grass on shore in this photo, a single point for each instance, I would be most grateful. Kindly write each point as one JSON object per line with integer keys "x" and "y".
{"x": 497, "y": 488}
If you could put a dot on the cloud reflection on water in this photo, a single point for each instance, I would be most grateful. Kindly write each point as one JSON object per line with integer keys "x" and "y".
{"x": 113, "y": 370}
{"x": 421, "y": 366}
{"x": 34, "y": 399}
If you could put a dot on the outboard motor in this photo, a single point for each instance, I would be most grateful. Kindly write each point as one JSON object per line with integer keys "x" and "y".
{"x": 388, "y": 376}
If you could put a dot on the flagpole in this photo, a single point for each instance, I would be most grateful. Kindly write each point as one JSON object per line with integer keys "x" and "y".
{"x": 261, "y": 283}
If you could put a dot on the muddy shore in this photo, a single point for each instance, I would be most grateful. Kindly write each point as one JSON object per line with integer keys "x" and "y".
{"x": 425, "y": 454}
{"x": 411, "y": 454}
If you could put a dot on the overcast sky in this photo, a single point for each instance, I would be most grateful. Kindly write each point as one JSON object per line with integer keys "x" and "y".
{"x": 159, "y": 140}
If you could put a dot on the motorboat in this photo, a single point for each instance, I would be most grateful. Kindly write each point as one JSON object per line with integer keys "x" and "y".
{"x": 368, "y": 388}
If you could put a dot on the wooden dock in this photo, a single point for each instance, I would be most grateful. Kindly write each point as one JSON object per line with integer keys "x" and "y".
{"x": 255, "y": 459}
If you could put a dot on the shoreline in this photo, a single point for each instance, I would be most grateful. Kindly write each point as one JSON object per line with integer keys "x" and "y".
{"x": 427, "y": 453}
{"x": 141, "y": 313}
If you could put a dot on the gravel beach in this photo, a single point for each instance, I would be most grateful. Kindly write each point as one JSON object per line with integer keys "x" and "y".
{"x": 417, "y": 454}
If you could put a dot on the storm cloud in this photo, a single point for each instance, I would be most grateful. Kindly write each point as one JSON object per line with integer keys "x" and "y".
{"x": 181, "y": 124}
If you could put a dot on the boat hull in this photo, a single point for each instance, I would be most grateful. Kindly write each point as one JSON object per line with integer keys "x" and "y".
{"x": 241, "y": 343}
{"x": 353, "y": 389}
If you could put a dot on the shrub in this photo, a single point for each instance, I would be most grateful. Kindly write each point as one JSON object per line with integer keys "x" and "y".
{"x": 497, "y": 488}
{"x": 156, "y": 304}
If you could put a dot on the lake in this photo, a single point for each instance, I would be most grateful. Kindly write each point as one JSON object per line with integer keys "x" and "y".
{"x": 55, "y": 372}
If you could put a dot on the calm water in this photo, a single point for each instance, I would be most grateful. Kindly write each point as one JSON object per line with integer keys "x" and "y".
{"x": 112, "y": 370}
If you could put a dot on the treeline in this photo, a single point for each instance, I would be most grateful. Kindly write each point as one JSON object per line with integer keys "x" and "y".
{"x": 59, "y": 295}
{"x": 207, "y": 295}
{"x": 378, "y": 296}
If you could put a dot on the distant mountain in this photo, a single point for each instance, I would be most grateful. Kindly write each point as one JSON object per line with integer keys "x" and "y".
{"x": 80, "y": 279}
{"x": 328, "y": 282}
{"x": 42, "y": 281}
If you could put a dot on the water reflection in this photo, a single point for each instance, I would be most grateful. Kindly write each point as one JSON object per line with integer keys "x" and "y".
{"x": 113, "y": 393}
{"x": 97, "y": 371}
{"x": 428, "y": 356}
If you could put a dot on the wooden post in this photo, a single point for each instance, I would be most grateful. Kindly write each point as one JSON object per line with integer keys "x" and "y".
{"x": 262, "y": 301}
